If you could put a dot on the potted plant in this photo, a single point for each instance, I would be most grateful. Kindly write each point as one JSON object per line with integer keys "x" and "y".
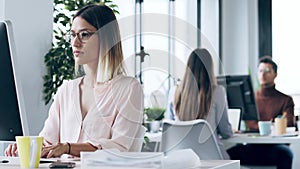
{"x": 153, "y": 118}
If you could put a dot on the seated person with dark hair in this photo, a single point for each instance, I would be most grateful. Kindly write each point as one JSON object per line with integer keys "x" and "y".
{"x": 271, "y": 103}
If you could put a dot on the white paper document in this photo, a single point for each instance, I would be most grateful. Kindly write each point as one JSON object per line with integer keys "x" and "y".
{"x": 143, "y": 160}
{"x": 116, "y": 159}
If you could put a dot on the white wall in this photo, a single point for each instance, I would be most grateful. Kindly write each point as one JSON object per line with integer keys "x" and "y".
{"x": 253, "y": 40}
{"x": 240, "y": 36}
{"x": 1, "y": 10}
{"x": 32, "y": 25}
{"x": 210, "y": 29}
{"x": 285, "y": 42}
{"x": 210, "y": 21}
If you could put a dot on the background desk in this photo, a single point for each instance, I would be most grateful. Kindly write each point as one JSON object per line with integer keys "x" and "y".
{"x": 294, "y": 142}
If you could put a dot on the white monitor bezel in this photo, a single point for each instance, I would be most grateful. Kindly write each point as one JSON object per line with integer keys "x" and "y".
{"x": 17, "y": 76}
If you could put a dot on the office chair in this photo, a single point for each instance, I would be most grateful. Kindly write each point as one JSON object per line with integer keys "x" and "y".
{"x": 196, "y": 135}
{"x": 138, "y": 140}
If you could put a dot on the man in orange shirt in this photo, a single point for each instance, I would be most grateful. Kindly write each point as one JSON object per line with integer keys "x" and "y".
{"x": 271, "y": 103}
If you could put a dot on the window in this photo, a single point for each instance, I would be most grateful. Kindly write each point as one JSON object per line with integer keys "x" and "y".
{"x": 286, "y": 36}
{"x": 155, "y": 69}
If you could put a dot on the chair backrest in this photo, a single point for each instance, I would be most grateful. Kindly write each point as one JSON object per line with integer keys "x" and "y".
{"x": 196, "y": 135}
{"x": 138, "y": 140}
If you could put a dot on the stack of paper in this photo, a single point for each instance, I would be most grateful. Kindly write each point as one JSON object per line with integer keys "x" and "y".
{"x": 177, "y": 159}
{"x": 116, "y": 159}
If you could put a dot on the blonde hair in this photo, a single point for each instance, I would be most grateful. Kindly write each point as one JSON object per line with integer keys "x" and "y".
{"x": 110, "y": 55}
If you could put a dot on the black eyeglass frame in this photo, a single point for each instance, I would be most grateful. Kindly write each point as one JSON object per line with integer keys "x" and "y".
{"x": 83, "y": 36}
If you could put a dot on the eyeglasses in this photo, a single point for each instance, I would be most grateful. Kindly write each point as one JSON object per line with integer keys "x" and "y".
{"x": 83, "y": 36}
{"x": 265, "y": 70}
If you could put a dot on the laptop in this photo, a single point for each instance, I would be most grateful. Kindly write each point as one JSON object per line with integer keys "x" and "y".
{"x": 237, "y": 124}
{"x": 234, "y": 117}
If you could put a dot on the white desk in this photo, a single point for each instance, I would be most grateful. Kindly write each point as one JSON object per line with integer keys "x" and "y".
{"x": 205, "y": 164}
{"x": 294, "y": 142}
{"x": 8, "y": 166}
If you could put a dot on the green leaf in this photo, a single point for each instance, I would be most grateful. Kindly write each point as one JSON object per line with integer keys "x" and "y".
{"x": 155, "y": 113}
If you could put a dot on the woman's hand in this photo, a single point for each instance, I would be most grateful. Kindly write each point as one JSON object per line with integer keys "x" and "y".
{"x": 11, "y": 150}
{"x": 55, "y": 150}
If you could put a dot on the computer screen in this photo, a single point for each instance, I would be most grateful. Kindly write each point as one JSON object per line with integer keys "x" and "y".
{"x": 12, "y": 111}
{"x": 240, "y": 94}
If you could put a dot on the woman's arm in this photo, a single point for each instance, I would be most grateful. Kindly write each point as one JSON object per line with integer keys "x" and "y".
{"x": 289, "y": 109}
{"x": 73, "y": 149}
{"x": 51, "y": 129}
{"x": 223, "y": 126}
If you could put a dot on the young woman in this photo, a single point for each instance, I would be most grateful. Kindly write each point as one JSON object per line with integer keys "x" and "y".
{"x": 199, "y": 97}
{"x": 101, "y": 109}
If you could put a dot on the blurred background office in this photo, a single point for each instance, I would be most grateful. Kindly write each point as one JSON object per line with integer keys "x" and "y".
{"x": 238, "y": 31}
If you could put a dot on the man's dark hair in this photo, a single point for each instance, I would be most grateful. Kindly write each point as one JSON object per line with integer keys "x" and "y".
{"x": 268, "y": 59}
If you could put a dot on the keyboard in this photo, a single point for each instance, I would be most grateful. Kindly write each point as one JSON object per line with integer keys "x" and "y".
{"x": 250, "y": 131}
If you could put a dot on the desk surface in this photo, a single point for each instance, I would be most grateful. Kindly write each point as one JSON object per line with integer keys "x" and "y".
{"x": 205, "y": 164}
{"x": 293, "y": 141}
{"x": 257, "y": 139}
{"x": 249, "y": 138}
{"x": 245, "y": 138}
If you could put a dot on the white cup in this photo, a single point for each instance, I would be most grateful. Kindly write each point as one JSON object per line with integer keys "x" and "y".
{"x": 264, "y": 127}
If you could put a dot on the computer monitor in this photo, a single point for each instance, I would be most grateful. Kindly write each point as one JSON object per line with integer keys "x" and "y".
{"x": 240, "y": 95}
{"x": 13, "y": 120}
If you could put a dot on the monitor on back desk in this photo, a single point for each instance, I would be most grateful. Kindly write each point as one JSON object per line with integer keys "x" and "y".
{"x": 13, "y": 120}
{"x": 240, "y": 94}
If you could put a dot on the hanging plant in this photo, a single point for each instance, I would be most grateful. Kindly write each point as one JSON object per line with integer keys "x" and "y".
{"x": 59, "y": 59}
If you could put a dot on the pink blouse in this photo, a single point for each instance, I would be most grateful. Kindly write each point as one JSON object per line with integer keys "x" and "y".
{"x": 113, "y": 122}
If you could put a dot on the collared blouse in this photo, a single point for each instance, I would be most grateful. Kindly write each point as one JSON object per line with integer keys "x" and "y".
{"x": 113, "y": 122}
